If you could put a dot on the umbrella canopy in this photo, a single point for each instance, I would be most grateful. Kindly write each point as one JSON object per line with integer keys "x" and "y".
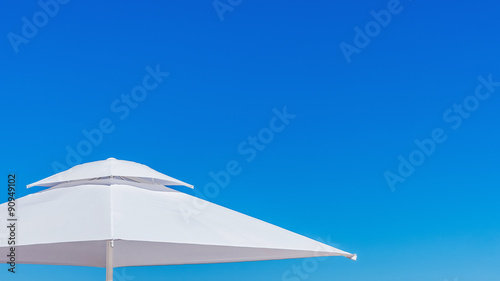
{"x": 116, "y": 213}
{"x": 110, "y": 168}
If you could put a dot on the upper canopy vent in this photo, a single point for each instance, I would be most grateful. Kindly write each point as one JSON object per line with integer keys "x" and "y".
{"x": 109, "y": 168}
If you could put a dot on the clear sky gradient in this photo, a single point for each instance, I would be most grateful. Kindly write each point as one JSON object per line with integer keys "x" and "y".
{"x": 392, "y": 152}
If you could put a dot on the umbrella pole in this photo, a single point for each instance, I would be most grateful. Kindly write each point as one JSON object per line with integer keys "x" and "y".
{"x": 109, "y": 260}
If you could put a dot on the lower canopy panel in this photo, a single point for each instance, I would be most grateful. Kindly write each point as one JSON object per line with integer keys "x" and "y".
{"x": 139, "y": 253}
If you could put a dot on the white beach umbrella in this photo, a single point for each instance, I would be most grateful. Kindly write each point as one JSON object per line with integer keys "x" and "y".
{"x": 116, "y": 213}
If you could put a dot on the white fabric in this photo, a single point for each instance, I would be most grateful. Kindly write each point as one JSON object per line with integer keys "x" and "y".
{"x": 110, "y": 167}
{"x": 70, "y": 226}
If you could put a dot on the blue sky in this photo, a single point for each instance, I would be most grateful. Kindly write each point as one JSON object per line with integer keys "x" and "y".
{"x": 325, "y": 174}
